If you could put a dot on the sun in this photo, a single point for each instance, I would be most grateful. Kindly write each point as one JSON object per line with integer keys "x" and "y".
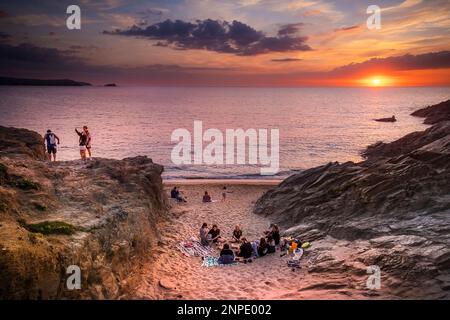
{"x": 376, "y": 81}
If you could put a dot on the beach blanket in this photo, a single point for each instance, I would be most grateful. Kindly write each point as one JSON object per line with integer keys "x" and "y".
{"x": 194, "y": 248}
{"x": 211, "y": 261}
{"x": 294, "y": 262}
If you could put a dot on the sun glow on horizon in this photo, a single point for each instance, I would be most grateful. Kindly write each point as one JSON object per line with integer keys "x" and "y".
{"x": 376, "y": 82}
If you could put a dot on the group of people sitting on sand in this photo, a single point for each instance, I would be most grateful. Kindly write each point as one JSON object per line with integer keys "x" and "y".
{"x": 245, "y": 249}
{"x": 51, "y": 140}
{"x": 177, "y": 194}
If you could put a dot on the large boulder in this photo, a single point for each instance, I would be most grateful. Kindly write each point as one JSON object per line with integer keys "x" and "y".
{"x": 392, "y": 210}
{"x": 21, "y": 143}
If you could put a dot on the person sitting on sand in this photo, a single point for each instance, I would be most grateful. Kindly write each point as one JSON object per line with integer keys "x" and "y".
{"x": 51, "y": 140}
{"x": 274, "y": 232}
{"x": 173, "y": 193}
{"x": 215, "y": 233}
{"x": 237, "y": 233}
{"x": 262, "y": 247}
{"x": 271, "y": 247}
{"x": 176, "y": 194}
{"x": 245, "y": 250}
{"x": 226, "y": 255}
{"x": 204, "y": 234}
{"x": 206, "y": 197}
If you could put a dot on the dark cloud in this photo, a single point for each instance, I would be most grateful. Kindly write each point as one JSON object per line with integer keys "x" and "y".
{"x": 220, "y": 36}
{"x": 3, "y": 14}
{"x": 27, "y": 57}
{"x": 286, "y": 60}
{"x": 432, "y": 60}
{"x": 4, "y": 36}
{"x": 347, "y": 28}
{"x": 289, "y": 29}
{"x": 79, "y": 47}
{"x": 151, "y": 12}
{"x": 29, "y": 61}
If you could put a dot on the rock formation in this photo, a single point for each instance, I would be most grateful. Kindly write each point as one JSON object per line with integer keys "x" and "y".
{"x": 391, "y": 210}
{"x": 102, "y": 217}
{"x": 7, "y": 81}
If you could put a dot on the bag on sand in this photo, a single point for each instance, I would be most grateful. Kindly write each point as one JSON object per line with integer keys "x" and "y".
{"x": 306, "y": 245}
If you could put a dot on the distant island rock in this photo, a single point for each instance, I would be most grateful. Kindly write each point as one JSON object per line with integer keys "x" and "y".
{"x": 7, "y": 81}
{"x": 110, "y": 85}
{"x": 391, "y": 119}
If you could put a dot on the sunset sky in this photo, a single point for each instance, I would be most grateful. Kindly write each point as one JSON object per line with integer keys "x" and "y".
{"x": 230, "y": 43}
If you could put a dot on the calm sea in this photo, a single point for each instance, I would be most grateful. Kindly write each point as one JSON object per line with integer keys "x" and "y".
{"x": 317, "y": 125}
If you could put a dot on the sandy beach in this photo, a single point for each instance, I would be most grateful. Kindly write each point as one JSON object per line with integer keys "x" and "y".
{"x": 173, "y": 275}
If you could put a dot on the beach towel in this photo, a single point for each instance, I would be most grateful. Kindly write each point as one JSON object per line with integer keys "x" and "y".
{"x": 294, "y": 262}
{"x": 194, "y": 248}
{"x": 211, "y": 261}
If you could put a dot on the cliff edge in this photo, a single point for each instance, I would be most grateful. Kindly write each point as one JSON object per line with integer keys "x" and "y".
{"x": 102, "y": 217}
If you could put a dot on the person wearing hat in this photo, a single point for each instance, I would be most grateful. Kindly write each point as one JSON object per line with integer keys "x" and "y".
{"x": 51, "y": 139}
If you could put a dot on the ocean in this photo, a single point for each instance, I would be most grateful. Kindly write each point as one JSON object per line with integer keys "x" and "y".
{"x": 316, "y": 125}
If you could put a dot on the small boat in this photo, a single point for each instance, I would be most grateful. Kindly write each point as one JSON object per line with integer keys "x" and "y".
{"x": 391, "y": 119}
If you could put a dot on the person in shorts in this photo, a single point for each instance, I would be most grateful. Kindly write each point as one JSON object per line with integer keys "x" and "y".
{"x": 82, "y": 141}
{"x": 51, "y": 140}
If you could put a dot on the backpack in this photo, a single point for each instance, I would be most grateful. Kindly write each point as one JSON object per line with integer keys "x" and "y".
{"x": 51, "y": 140}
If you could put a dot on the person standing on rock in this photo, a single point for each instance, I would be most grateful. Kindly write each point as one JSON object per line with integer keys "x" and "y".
{"x": 83, "y": 140}
{"x": 51, "y": 140}
{"x": 89, "y": 141}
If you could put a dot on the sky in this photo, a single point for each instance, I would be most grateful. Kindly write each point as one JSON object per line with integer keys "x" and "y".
{"x": 229, "y": 43}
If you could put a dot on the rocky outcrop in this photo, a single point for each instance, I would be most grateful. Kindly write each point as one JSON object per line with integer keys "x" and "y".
{"x": 21, "y": 143}
{"x": 434, "y": 114}
{"x": 7, "y": 81}
{"x": 392, "y": 210}
{"x": 102, "y": 217}
{"x": 408, "y": 143}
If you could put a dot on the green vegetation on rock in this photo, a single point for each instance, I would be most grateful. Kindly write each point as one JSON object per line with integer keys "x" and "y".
{"x": 49, "y": 227}
{"x": 3, "y": 207}
{"x": 3, "y": 173}
{"x": 40, "y": 206}
{"x": 26, "y": 184}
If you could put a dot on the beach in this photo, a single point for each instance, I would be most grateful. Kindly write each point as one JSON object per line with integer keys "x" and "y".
{"x": 377, "y": 228}
{"x": 172, "y": 275}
